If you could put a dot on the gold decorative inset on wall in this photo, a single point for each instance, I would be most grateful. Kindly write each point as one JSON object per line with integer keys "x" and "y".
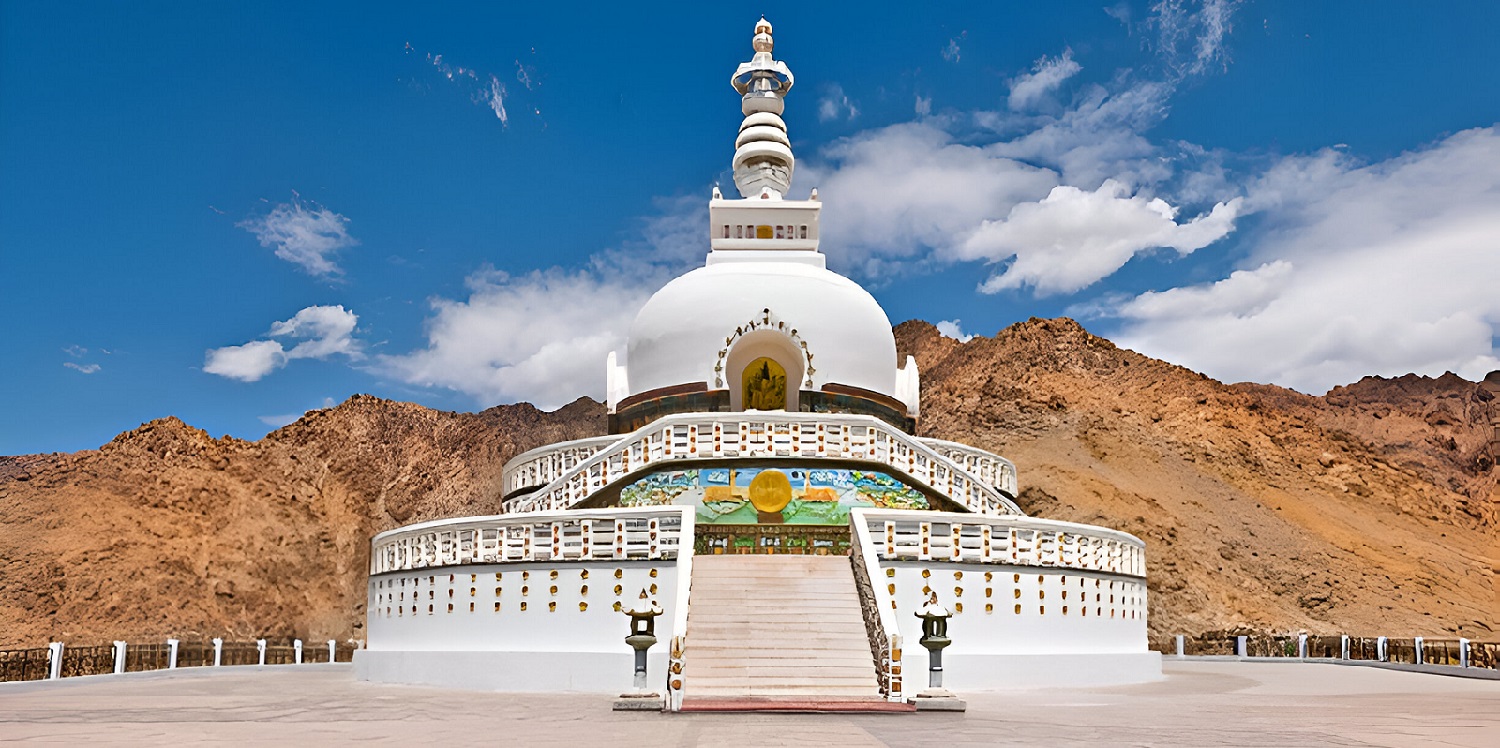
{"x": 958, "y": 592}
{"x": 958, "y": 575}
{"x": 450, "y": 579}
{"x": 497, "y": 606}
{"x": 989, "y": 608}
{"x": 525, "y": 575}
{"x": 583, "y": 574}
{"x": 584, "y": 590}
{"x": 958, "y": 607}
{"x": 554, "y": 573}
{"x": 926, "y": 590}
{"x": 653, "y": 589}
{"x": 890, "y": 572}
{"x": 1042, "y": 609}
{"x": 450, "y": 607}
{"x": 497, "y": 592}
{"x": 891, "y": 588}
{"x": 618, "y": 608}
{"x": 551, "y": 607}
{"x": 554, "y": 589}
{"x": 473, "y": 591}
{"x": 989, "y": 577}
{"x": 1065, "y": 610}
{"x": 582, "y": 606}
{"x": 1041, "y": 594}
{"x": 525, "y": 590}
{"x": 1018, "y": 578}
{"x": 619, "y": 573}
{"x": 1018, "y": 593}
{"x": 498, "y": 577}
{"x": 989, "y": 591}
{"x": 653, "y": 573}
{"x": 1018, "y": 609}
{"x": 473, "y": 578}
{"x": 619, "y": 589}
{"x": 471, "y": 607}
{"x": 926, "y": 573}
{"x": 523, "y": 606}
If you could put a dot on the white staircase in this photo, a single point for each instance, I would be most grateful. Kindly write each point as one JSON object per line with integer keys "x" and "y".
{"x": 776, "y": 626}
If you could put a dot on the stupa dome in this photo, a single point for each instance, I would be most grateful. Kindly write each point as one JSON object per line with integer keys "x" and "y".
{"x": 706, "y": 325}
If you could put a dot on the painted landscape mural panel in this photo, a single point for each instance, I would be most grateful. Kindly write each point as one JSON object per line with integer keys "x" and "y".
{"x": 723, "y": 495}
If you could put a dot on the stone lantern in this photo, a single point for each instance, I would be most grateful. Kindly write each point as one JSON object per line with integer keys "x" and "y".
{"x": 935, "y": 638}
{"x": 641, "y": 638}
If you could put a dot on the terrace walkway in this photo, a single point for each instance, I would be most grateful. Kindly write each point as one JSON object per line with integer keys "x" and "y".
{"x": 1201, "y": 703}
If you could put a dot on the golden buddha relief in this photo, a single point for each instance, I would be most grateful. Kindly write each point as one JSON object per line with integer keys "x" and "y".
{"x": 764, "y": 383}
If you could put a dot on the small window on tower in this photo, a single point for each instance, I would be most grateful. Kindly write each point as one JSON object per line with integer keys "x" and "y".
{"x": 726, "y": 231}
{"x": 780, "y": 232}
{"x": 802, "y": 232}
{"x": 739, "y": 232}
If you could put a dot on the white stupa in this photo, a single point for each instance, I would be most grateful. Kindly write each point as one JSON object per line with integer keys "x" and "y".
{"x": 764, "y": 485}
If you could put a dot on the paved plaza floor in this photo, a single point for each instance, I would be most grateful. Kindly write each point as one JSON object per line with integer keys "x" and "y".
{"x": 1200, "y": 703}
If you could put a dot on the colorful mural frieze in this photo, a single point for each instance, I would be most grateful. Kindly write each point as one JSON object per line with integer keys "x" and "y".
{"x": 769, "y": 495}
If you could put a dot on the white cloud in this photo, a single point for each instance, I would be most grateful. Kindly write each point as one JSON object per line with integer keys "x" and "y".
{"x": 307, "y": 236}
{"x": 923, "y": 106}
{"x": 1359, "y": 269}
{"x": 835, "y": 104}
{"x": 1189, "y": 40}
{"x": 247, "y": 363}
{"x": 953, "y": 51}
{"x": 1074, "y": 238}
{"x": 286, "y": 419}
{"x": 494, "y": 98}
{"x": 1046, "y": 75}
{"x": 541, "y": 337}
{"x": 949, "y": 328}
{"x": 323, "y": 330}
{"x": 82, "y": 368}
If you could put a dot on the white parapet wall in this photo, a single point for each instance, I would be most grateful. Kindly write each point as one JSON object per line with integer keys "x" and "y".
{"x": 525, "y": 602}
{"x": 1035, "y": 602}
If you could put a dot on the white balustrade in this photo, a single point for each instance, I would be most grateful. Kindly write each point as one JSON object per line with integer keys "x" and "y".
{"x": 540, "y": 466}
{"x": 1007, "y": 540}
{"x": 991, "y": 468}
{"x": 577, "y": 535}
{"x": 761, "y": 435}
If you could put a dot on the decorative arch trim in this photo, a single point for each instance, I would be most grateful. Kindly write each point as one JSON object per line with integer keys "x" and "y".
{"x": 767, "y": 320}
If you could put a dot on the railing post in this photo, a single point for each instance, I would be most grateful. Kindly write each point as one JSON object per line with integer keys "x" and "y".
{"x": 1240, "y": 646}
{"x": 54, "y": 660}
{"x": 1463, "y": 652}
{"x": 171, "y": 654}
{"x": 1181, "y": 648}
{"x": 1381, "y": 649}
{"x": 260, "y": 648}
{"x": 1343, "y": 646}
{"x": 1418, "y": 642}
{"x": 218, "y": 651}
{"x": 332, "y": 650}
{"x": 1302, "y": 646}
{"x": 297, "y": 651}
{"x": 120, "y": 656}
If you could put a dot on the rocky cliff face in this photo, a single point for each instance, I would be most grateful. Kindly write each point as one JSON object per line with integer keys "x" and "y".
{"x": 1369, "y": 510}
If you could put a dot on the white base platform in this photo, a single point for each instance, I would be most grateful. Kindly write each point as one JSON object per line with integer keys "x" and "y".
{"x": 521, "y": 672}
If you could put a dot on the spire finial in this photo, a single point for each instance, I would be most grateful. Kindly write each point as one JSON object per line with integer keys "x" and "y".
{"x": 763, "y": 159}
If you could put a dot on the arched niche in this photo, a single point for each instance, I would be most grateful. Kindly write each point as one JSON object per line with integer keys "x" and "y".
{"x": 772, "y": 345}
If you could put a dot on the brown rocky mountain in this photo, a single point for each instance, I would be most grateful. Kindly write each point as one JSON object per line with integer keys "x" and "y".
{"x": 1372, "y": 509}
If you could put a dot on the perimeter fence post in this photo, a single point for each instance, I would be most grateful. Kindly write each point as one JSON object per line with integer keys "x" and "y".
{"x": 297, "y": 650}
{"x": 1381, "y": 649}
{"x": 54, "y": 660}
{"x": 333, "y": 649}
{"x": 1181, "y": 649}
{"x": 260, "y": 647}
{"x": 120, "y": 656}
{"x": 1463, "y": 652}
{"x": 1418, "y": 642}
{"x": 218, "y": 651}
{"x": 1302, "y": 646}
{"x": 171, "y": 654}
{"x": 1343, "y": 646}
{"x": 1241, "y": 647}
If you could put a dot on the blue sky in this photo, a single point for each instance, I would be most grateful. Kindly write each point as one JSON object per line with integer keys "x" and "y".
{"x": 233, "y": 213}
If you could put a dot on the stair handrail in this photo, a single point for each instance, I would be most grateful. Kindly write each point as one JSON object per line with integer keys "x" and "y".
{"x": 676, "y": 649}
{"x": 879, "y": 616}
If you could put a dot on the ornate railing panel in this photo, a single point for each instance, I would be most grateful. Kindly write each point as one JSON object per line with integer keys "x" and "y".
{"x": 991, "y": 468}
{"x": 580, "y": 535}
{"x": 1022, "y": 541}
{"x": 767, "y": 435}
{"x": 540, "y": 466}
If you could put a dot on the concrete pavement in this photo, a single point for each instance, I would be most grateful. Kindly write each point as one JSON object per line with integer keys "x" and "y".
{"x": 1198, "y": 704}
